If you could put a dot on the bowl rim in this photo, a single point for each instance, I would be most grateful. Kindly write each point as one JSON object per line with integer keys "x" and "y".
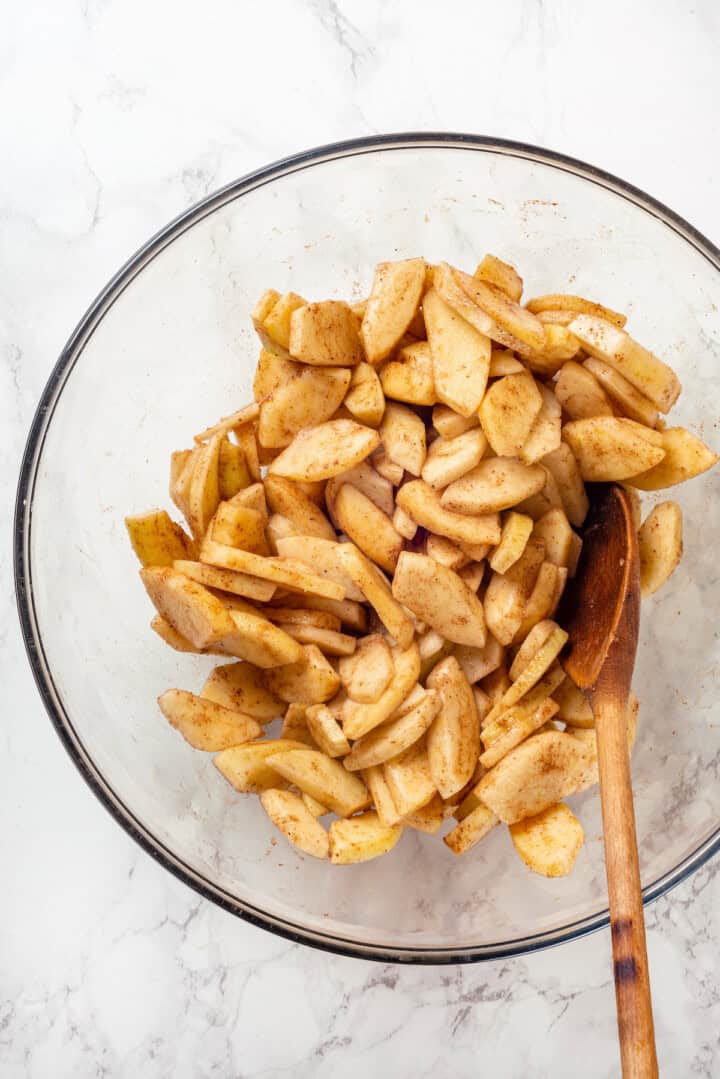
{"x": 330, "y": 942}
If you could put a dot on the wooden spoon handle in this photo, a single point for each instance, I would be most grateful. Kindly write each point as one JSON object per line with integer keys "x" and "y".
{"x": 627, "y": 923}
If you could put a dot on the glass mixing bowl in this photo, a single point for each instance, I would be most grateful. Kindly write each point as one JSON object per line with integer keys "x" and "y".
{"x": 168, "y": 347}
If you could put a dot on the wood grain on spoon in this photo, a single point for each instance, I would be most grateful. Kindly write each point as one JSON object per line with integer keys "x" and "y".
{"x": 601, "y": 613}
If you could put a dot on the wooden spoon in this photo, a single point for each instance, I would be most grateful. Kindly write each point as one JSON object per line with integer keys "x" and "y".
{"x": 601, "y": 612}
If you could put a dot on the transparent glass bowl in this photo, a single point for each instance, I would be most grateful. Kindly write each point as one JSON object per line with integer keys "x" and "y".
{"x": 167, "y": 348}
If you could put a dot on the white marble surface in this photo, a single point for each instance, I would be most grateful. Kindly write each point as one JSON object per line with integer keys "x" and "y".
{"x": 114, "y": 116}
